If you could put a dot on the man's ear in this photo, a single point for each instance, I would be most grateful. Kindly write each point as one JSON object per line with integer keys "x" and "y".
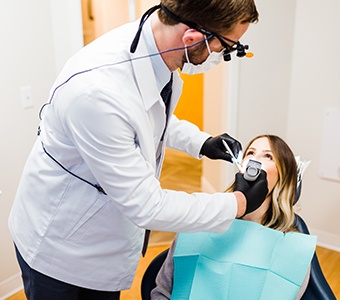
{"x": 192, "y": 36}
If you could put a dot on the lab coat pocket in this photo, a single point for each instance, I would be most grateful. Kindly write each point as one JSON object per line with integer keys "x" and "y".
{"x": 86, "y": 222}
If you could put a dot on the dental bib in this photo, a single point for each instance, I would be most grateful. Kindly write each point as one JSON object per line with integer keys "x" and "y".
{"x": 248, "y": 261}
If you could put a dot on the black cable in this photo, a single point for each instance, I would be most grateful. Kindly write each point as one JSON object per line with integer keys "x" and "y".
{"x": 96, "y": 186}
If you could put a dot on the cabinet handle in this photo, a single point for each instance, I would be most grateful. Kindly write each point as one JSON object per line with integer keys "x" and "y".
{"x": 89, "y": 10}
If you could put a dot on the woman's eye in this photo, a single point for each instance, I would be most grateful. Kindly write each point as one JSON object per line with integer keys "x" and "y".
{"x": 268, "y": 157}
{"x": 250, "y": 153}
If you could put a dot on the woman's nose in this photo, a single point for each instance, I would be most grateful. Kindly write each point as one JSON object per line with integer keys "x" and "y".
{"x": 258, "y": 157}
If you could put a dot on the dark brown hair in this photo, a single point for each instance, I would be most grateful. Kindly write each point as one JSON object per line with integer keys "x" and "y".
{"x": 219, "y": 16}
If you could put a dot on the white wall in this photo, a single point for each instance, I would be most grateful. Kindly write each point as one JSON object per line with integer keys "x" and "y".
{"x": 216, "y": 113}
{"x": 34, "y": 45}
{"x": 315, "y": 85}
{"x": 264, "y": 84}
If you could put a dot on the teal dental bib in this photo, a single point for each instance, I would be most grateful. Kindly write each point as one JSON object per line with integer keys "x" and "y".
{"x": 248, "y": 261}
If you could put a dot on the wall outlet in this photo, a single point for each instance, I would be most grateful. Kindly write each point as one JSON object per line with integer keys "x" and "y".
{"x": 26, "y": 96}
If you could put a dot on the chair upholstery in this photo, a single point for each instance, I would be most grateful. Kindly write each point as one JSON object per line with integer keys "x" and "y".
{"x": 318, "y": 288}
{"x": 149, "y": 277}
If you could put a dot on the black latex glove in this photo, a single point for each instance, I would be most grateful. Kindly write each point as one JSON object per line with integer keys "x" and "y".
{"x": 254, "y": 191}
{"x": 214, "y": 148}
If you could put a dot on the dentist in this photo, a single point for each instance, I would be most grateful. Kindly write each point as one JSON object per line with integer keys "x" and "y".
{"x": 90, "y": 188}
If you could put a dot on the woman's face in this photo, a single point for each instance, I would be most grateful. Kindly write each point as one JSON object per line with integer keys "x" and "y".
{"x": 260, "y": 150}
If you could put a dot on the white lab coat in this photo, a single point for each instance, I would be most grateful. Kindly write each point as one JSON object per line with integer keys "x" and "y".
{"x": 105, "y": 126}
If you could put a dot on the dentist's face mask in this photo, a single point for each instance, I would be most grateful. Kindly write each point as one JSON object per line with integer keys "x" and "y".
{"x": 212, "y": 60}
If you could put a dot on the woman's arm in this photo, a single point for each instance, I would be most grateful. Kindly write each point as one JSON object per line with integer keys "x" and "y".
{"x": 164, "y": 279}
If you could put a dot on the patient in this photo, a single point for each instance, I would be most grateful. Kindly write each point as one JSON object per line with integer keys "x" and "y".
{"x": 276, "y": 212}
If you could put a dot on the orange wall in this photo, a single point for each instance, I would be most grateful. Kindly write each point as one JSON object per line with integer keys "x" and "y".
{"x": 190, "y": 105}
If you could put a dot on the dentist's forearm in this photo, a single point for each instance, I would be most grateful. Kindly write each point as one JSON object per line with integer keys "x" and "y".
{"x": 241, "y": 204}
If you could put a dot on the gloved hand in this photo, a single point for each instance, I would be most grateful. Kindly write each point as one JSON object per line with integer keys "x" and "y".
{"x": 214, "y": 148}
{"x": 254, "y": 191}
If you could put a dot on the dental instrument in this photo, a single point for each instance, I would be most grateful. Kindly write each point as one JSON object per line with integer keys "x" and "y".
{"x": 234, "y": 159}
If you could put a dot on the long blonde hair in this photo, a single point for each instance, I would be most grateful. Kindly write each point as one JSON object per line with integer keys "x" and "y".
{"x": 280, "y": 214}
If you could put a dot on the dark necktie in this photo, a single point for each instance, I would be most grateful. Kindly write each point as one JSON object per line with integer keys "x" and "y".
{"x": 166, "y": 96}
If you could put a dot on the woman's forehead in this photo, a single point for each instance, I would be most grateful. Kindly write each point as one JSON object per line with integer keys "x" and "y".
{"x": 261, "y": 143}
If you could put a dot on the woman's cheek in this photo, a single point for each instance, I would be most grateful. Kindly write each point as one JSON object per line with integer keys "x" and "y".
{"x": 272, "y": 176}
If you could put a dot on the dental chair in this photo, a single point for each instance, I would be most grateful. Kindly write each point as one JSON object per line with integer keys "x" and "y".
{"x": 317, "y": 289}
{"x": 149, "y": 277}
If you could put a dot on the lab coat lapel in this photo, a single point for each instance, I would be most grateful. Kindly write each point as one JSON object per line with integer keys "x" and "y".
{"x": 145, "y": 76}
{"x": 147, "y": 84}
{"x": 153, "y": 103}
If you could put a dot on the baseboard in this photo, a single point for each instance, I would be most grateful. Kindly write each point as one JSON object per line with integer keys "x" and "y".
{"x": 326, "y": 240}
{"x": 10, "y": 286}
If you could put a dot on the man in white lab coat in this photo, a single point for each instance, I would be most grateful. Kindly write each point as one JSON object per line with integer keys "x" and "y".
{"x": 90, "y": 186}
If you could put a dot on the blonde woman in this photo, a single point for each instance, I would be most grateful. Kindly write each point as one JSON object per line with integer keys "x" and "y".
{"x": 276, "y": 212}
